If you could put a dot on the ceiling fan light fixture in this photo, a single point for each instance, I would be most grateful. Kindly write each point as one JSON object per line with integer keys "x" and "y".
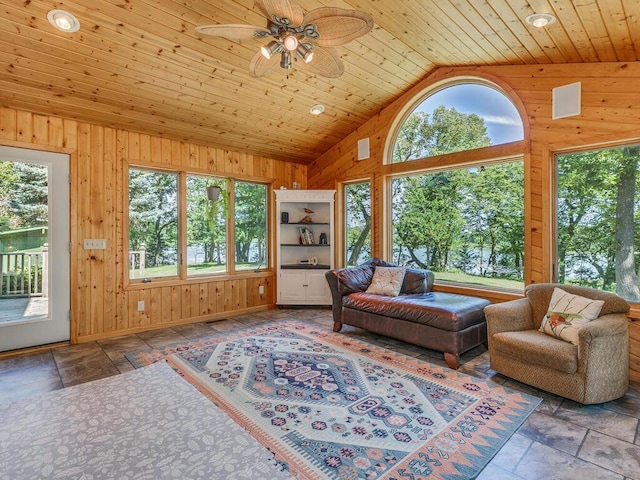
{"x": 305, "y": 53}
{"x": 290, "y": 42}
{"x": 540, "y": 20}
{"x": 285, "y": 60}
{"x": 63, "y": 21}
{"x": 269, "y": 49}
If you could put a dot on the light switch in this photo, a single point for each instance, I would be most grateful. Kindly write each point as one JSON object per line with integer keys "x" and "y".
{"x": 95, "y": 244}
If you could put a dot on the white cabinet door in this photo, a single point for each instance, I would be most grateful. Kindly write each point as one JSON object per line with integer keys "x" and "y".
{"x": 290, "y": 287}
{"x": 303, "y": 287}
{"x": 318, "y": 292}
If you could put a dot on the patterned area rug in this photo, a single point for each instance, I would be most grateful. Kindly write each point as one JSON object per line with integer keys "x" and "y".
{"x": 330, "y": 406}
{"x": 146, "y": 424}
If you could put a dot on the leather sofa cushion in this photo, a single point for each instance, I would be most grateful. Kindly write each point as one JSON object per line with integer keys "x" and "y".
{"x": 417, "y": 281}
{"x": 353, "y": 279}
{"x": 536, "y": 348}
{"x": 445, "y": 311}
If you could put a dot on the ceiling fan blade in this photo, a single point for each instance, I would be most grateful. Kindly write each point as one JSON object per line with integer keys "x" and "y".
{"x": 282, "y": 11}
{"x": 338, "y": 26}
{"x": 325, "y": 62}
{"x": 260, "y": 66}
{"x": 234, "y": 32}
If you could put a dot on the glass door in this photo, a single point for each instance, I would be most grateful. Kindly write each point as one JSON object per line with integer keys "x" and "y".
{"x": 34, "y": 248}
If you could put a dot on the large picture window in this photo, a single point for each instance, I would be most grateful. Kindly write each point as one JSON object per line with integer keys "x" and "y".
{"x": 357, "y": 223}
{"x": 465, "y": 224}
{"x": 153, "y": 224}
{"x": 598, "y": 210}
{"x": 179, "y": 225}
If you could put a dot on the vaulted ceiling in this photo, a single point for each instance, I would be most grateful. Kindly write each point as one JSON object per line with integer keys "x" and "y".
{"x": 140, "y": 65}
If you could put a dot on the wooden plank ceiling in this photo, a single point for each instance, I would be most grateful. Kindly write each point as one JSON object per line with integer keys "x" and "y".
{"x": 140, "y": 65}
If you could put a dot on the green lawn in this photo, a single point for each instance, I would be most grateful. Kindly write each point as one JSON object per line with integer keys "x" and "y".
{"x": 195, "y": 269}
{"x": 459, "y": 277}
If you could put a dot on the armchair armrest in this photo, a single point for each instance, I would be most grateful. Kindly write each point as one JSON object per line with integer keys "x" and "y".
{"x": 603, "y": 356}
{"x": 509, "y": 316}
{"x": 611, "y": 325}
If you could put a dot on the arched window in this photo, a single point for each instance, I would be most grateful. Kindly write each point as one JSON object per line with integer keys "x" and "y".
{"x": 464, "y": 220}
{"x": 458, "y": 117}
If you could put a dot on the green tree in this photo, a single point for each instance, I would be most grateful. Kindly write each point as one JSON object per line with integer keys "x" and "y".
{"x": 493, "y": 210}
{"x": 250, "y": 212}
{"x": 445, "y": 130}
{"x": 586, "y": 200}
{"x": 625, "y": 263}
{"x": 597, "y": 211}
{"x": 153, "y": 215}
{"x": 206, "y": 219}
{"x": 7, "y": 181}
{"x": 358, "y": 219}
{"x": 426, "y": 217}
{"x": 28, "y": 200}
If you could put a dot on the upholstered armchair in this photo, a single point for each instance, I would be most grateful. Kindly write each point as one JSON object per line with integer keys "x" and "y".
{"x": 595, "y": 370}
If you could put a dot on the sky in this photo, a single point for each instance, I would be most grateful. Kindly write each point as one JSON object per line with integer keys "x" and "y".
{"x": 500, "y": 116}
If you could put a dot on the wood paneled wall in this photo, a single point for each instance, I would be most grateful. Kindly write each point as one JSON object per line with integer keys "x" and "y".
{"x": 103, "y": 304}
{"x": 610, "y": 113}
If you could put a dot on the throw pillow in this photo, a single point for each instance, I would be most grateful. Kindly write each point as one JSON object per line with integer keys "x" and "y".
{"x": 567, "y": 313}
{"x": 387, "y": 281}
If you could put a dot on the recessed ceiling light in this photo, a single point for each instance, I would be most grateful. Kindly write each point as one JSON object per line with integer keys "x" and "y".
{"x": 316, "y": 109}
{"x": 63, "y": 21}
{"x": 540, "y": 20}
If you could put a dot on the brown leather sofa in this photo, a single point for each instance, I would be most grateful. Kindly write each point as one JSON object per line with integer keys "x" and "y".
{"x": 441, "y": 321}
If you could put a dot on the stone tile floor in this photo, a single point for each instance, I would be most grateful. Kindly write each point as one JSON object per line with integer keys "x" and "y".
{"x": 560, "y": 440}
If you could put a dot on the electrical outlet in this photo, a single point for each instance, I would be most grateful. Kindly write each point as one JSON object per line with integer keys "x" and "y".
{"x": 95, "y": 244}
{"x": 141, "y": 306}
{"x": 261, "y": 290}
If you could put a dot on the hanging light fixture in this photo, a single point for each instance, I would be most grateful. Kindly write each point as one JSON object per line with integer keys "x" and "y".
{"x": 285, "y": 60}
{"x": 287, "y": 43}
{"x": 305, "y": 52}
{"x": 270, "y": 49}
{"x": 290, "y": 42}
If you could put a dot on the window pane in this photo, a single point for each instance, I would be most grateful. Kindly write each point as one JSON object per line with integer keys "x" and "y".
{"x": 598, "y": 210}
{"x": 357, "y": 217}
{"x": 153, "y": 224}
{"x": 206, "y": 226}
{"x": 466, "y": 225}
{"x": 457, "y": 118}
{"x": 250, "y": 226}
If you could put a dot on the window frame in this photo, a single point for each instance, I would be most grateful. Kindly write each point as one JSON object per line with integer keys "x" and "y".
{"x": 500, "y": 153}
{"x": 228, "y": 184}
{"x": 182, "y": 276}
{"x": 462, "y": 164}
{"x": 342, "y": 221}
{"x": 232, "y": 228}
{"x": 404, "y": 113}
{"x": 127, "y": 237}
{"x": 553, "y": 207}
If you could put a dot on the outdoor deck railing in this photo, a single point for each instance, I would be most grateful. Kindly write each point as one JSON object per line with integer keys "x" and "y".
{"x": 24, "y": 274}
{"x": 137, "y": 262}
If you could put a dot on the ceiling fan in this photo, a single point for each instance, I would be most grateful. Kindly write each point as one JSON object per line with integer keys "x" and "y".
{"x": 295, "y": 35}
